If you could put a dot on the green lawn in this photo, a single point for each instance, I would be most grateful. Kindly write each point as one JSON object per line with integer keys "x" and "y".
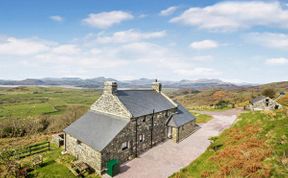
{"x": 256, "y": 146}
{"x": 50, "y": 168}
{"x": 23, "y": 102}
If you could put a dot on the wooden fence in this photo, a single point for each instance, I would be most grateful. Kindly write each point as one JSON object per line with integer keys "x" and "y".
{"x": 32, "y": 149}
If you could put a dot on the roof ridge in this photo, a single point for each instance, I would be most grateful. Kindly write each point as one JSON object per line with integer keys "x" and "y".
{"x": 135, "y": 89}
{"x": 108, "y": 114}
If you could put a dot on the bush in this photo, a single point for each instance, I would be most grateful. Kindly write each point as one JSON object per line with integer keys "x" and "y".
{"x": 269, "y": 92}
{"x": 222, "y": 104}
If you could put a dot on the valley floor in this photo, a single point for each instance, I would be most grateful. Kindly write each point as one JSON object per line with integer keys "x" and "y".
{"x": 169, "y": 157}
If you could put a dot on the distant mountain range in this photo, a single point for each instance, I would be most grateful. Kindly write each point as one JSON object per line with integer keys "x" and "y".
{"x": 139, "y": 83}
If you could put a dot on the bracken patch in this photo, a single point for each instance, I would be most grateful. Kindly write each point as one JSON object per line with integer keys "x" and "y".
{"x": 244, "y": 153}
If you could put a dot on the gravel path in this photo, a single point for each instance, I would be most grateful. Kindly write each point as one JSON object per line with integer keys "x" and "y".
{"x": 169, "y": 157}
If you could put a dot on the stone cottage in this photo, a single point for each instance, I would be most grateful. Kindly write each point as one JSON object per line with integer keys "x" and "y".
{"x": 122, "y": 124}
{"x": 263, "y": 103}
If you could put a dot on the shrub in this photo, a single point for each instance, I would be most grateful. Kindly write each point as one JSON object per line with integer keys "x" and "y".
{"x": 269, "y": 92}
{"x": 222, "y": 104}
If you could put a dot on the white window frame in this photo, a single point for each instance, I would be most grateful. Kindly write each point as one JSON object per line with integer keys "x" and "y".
{"x": 124, "y": 145}
{"x": 141, "y": 138}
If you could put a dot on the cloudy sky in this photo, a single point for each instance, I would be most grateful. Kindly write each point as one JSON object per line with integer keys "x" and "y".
{"x": 237, "y": 41}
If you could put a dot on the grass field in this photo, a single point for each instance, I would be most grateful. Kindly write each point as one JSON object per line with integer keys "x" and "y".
{"x": 24, "y": 102}
{"x": 256, "y": 146}
{"x": 201, "y": 118}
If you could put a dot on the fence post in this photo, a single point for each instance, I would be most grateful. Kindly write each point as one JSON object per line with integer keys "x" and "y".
{"x": 49, "y": 146}
{"x": 30, "y": 150}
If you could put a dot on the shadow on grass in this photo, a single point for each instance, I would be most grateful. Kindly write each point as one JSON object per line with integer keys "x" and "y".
{"x": 47, "y": 163}
{"x": 44, "y": 164}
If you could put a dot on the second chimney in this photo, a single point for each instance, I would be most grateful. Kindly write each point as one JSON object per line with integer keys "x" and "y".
{"x": 157, "y": 86}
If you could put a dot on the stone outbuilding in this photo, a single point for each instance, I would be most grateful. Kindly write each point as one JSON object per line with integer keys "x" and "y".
{"x": 263, "y": 103}
{"x": 122, "y": 124}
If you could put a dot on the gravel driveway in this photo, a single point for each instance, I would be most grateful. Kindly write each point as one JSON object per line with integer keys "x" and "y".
{"x": 169, "y": 157}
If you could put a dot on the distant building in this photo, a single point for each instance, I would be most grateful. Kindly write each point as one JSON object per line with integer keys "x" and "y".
{"x": 122, "y": 124}
{"x": 263, "y": 103}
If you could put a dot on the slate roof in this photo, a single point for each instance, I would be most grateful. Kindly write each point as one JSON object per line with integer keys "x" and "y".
{"x": 96, "y": 129}
{"x": 258, "y": 98}
{"x": 143, "y": 102}
{"x": 181, "y": 117}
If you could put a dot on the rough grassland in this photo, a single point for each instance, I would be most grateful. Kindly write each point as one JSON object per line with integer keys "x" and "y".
{"x": 256, "y": 146}
{"x": 201, "y": 118}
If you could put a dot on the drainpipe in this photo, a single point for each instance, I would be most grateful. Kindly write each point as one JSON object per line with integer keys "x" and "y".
{"x": 136, "y": 138}
{"x": 152, "y": 125}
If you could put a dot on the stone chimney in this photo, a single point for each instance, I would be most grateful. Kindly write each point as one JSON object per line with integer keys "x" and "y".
{"x": 157, "y": 86}
{"x": 110, "y": 87}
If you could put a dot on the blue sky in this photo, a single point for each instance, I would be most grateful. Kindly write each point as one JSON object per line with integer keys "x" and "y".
{"x": 236, "y": 41}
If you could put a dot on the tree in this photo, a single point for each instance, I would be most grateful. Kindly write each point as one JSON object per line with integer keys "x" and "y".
{"x": 269, "y": 92}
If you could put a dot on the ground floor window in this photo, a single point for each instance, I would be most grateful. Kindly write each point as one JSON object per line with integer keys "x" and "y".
{"x": 141, "y": 137}
{"x": 125, "y": 145}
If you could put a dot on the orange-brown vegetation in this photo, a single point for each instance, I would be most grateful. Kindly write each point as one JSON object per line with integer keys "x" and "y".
{"x": 243, "y": 152}
{"x": 255, "y": 146}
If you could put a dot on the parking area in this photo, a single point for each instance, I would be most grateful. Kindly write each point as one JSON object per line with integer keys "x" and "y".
{"x": 169, "y": 157}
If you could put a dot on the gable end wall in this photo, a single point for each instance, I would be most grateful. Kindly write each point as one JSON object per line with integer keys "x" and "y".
{"x": 110, "y": 104}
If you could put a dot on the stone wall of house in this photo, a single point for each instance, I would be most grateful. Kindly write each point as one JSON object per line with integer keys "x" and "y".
{"x": 186, "y": 130}
{"x": 83, "y": 153}
{"x": 130, "y": 135}
{"x": 265, "y": 104}
{"x": 109, "y": 103}
{"x": 175, "y": 132}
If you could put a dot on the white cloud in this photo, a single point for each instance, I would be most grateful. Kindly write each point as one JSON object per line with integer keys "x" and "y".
{"x": 270, "y": 40}
{"x": 40, "y": 58}
{"x": 204, "y": 44}
{"x": 277, "y": 61}
{"x": 66, "y": 49}
{"x": 56, "y": 18}
{"x": 202, "y": 58}
{"x": 227, "y": 16}
{"x": 168, "y": 11}
{"x": 15, "y": 46}
{"x": 129, "y": 36}
{"x": 107, "y": 19}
